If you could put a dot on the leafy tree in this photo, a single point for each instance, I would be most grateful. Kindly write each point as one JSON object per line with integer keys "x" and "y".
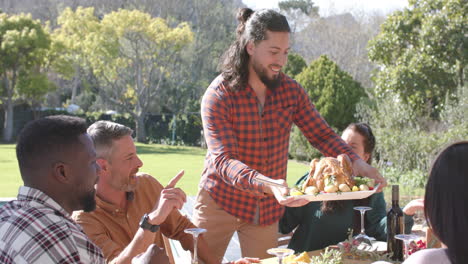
{"x": 77, "y": 31}
{"x": 24, "y": 46}
{"x": 132, "y": 56}
{"x": 295, "y": 65}
{"x": 335, "y": 95}
{"x": 422, "y": 53}
{"x": 406, "y": 143}
{"x": 333, "y": 91}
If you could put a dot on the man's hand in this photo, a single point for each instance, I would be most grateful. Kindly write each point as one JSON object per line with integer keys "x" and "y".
{"x": 171, "y": 198}
{"x": 361, "y": 168}
{"x": 281, "y": 193}
{"x": 153, "y": 255}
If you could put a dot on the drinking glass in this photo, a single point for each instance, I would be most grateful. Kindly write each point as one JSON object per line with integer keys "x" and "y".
{"x": 407, "y": 238}
{"x": 280, "y": 253}
{"x": 195, "y": 232}
{"x": 362, "y": 237}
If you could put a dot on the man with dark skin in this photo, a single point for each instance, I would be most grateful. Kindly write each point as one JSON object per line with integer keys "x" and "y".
{"x": 58, "y": 165}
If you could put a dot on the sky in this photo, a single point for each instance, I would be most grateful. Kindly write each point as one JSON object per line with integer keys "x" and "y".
{"x": 327, "y": 7}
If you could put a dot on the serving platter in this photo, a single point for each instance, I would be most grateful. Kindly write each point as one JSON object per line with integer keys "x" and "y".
{"x": 337, "y": 196}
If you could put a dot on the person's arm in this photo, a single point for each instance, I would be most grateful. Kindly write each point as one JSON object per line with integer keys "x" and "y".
{"x": 291, "y": 219}
{"x": 376, "y": 219}
{"x": 316, "y": 129}
{"x": 413, "y": 206}
{"x": 153, "y": 255}
{"x": 170, "y": 198}
{"x": 323, "y": 138}
{"x": 140, "y": 242}
{"x": 222, "y": 142}
{"x": 98, "y": 232}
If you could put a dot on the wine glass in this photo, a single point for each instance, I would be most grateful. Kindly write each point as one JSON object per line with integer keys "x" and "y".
{"x": 195, "y": 232}
{"x": 362, "y": 237}
{"x": 407, "y": 238}
{"x": 280, "y": 253}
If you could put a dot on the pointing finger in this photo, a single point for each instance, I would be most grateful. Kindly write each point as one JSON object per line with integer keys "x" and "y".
{"x": 174, "y": 180}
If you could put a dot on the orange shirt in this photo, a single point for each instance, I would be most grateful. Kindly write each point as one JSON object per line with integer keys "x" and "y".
{"x": 112, "y": 228}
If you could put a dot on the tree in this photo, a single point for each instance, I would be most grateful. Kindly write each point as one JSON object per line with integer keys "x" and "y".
{"x": 298, "y": 12}
{"x": 24, "y": 46}
{"x": 422, "y": 53}
{"x": 333, "y": 91}
{"x": 132, "y": 56}
{"x": 295, "y": 65}
{"x": 335, "y": 95}
{"x": 343, "y": 38}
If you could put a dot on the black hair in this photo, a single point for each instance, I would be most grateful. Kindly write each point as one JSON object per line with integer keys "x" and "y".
{"x": 252, "y": 27}
{"x": 446, "y": 198}
{"x": 46, "y": 139}
{"x": 369, "y": 140}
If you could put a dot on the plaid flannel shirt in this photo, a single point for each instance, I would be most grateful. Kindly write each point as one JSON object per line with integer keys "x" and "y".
{"x": 36, "y": 229}
{"x": 243, "y": 143}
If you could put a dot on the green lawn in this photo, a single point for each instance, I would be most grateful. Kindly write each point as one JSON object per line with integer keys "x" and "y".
{"x": 161, "y": 161}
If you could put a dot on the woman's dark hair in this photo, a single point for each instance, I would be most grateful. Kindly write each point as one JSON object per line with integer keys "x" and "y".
{"x": 369, "y": 145}
{"x": 446, "y": 199}
{"x": 252, "y": 27}
{"x": 369, "y": 140}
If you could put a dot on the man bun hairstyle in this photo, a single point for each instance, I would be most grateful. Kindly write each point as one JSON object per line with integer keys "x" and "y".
{"x": 242, "y": 16}
{"x": 252, "y": 26}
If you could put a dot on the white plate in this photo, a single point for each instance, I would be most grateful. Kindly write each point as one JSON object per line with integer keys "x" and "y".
{"x": 337, "y": 196}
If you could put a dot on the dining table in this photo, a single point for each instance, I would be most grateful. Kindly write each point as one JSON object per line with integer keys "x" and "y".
{"x": 377, "y": 246}
{"x": 422, "y": 231}
{"x": 274, "y": 260}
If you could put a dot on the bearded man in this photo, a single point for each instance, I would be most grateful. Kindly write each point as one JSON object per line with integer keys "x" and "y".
{"x": 133, "y": 209}
{"x": 247, "y": 114}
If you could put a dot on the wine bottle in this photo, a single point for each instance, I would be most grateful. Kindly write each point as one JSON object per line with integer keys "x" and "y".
{"x": 395, "y": 226}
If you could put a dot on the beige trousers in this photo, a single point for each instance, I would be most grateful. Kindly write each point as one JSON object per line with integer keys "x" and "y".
{"x": 254, "y": 239}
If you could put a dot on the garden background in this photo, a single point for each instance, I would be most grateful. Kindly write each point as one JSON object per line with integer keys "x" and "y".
{"x": 146, "y": 64}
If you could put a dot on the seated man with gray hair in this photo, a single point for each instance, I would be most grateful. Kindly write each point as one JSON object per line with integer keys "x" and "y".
{"x": 133, "y": 209}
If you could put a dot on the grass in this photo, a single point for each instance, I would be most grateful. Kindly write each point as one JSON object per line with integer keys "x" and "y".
{"x": 10, "y": 177}
{"x": 161, "y": 161}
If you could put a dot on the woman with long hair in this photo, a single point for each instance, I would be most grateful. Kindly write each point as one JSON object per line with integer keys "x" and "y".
{"x": 445, "y": 207}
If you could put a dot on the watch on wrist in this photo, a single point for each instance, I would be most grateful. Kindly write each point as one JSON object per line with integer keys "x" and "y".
{"x": 146, "y": 225}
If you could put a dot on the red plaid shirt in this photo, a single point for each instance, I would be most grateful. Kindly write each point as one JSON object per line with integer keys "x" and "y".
{"x": 243, "y": 143}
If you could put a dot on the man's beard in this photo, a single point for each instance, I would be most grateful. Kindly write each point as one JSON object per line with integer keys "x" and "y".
{"x": 270, "y": 83}
{"x": 128, "y": 184}
{"x": 88, "y": 202}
